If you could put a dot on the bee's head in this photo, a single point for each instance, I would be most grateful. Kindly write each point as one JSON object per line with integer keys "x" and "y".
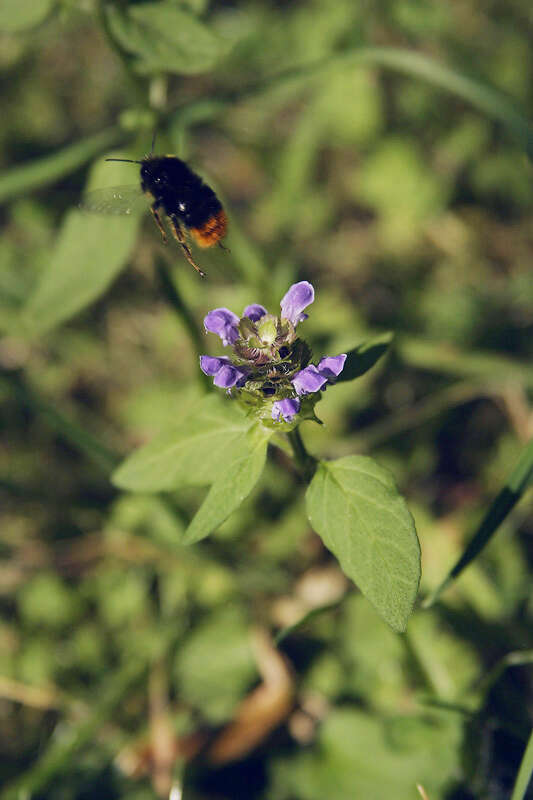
{"x": 152, "y": 172}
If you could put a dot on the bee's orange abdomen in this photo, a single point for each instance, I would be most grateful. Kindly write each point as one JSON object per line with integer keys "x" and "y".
{"x": 211, "y": 231}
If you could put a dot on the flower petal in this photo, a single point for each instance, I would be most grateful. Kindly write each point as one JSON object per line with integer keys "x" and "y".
{"x": 285, "y": 408}
{"x": 224, "y": 323}
{"x": 308, "y": 380}
{"x": 228, "y": 376}
{"x": 331, "y": 367}
{"x": 210, "y": 365}
{"x": 299, "y": 296}
{"x": 254, "y": 312}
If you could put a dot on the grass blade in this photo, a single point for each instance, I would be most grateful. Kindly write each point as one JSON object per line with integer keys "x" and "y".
{"x": 517, "y": 483}
{"x": 42, "y": 171}
{"x": 524, "y": 773}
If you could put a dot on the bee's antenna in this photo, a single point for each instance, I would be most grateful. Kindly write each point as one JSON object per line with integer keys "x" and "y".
{"x": 153, "y": 142}
{"x": 127, "y": 160}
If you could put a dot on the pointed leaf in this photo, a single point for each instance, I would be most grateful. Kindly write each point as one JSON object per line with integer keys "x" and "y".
{"x": 90, "y": 251}
{"x": 355, "y": 507}
{"x": 192, "y": 453}
{"x": 364, "y": 356}
{"x": 516, "y": 484}
{"x": 232, "y": 486}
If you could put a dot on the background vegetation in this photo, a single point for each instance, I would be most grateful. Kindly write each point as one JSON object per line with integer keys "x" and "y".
{"x": 377, "y": 150}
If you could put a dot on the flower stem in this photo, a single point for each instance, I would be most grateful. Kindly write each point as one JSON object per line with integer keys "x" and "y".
{"x": 305, "y": 462}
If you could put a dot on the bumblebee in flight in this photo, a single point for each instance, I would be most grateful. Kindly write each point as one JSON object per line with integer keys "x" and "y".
{"x": 174, "y": 189}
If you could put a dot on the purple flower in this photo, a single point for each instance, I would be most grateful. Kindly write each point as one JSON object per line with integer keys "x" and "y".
{"x": 224, "y": 323}
{"x": 210, "y": 365}
{"x": 299, "y": 296}
{"x": 308, "y": 380}
{"x": 225, "y": 373}
{"x": 312, "y": 379}
{"x": 331, "y": 367}
{"x": 285, "y": 408}
{"x": 268, "y": 368}
{"x": 254, "y": 312}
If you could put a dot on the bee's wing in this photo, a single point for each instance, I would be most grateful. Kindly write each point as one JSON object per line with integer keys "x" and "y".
{"x": 115, "y": 200}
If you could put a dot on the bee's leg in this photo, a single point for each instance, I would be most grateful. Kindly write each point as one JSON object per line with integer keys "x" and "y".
{"x": 180, "y": 236}
{"x": 224, "y": 248}
{"x": 155, "y": 213}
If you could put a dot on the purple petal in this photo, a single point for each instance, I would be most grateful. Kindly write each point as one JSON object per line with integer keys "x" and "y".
{"x": 228, "y": 376}
{"x": 308, "y": 380}
{"x": 299, "y": 296}
{"x": 254, "y": 312}
{"x": 331, "y": 366}
{"x": 224, "y": 323}
{"x": 211, "y": 365}
{"x": 285, "y": 408}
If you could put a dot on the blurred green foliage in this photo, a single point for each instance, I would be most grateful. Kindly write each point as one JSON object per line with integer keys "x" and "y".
{"x": 377, "y": 151}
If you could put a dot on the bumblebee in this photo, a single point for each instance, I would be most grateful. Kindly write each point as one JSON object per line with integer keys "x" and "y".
{"x": 174, "y": 189}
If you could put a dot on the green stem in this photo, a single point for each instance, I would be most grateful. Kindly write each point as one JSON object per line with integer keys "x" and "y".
{"x": 305, "y": 462}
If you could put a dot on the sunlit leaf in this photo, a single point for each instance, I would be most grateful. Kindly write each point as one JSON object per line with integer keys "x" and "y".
{"x": 355, "y": 507}
{"x": 232, "y": 486}
{"x": 195, "y": 452}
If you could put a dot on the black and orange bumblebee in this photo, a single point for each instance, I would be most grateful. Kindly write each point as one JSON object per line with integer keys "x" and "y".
{"x": 174, "y": 189}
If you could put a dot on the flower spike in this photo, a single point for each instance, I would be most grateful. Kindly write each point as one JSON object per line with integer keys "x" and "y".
{"x": 268, "y": 370}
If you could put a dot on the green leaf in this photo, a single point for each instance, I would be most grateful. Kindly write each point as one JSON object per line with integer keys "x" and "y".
{"x": 364, "y": 356}
{"x": 355, "y": 507}
{"x": 90, "y": 252}
{"x": 358, "y": 755}
{"x": 215, "y": 664}
{"x": 163, "y": 37}
{"x": 194, "y": 452}
{"x": 517, "y": 483}
{"x": 232, "y": 486}
{"x": 17, "y": 15}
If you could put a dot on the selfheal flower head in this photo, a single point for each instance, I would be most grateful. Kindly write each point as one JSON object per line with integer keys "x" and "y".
{"x": 269, "y": 369}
